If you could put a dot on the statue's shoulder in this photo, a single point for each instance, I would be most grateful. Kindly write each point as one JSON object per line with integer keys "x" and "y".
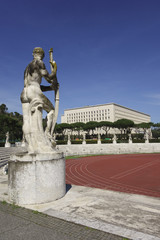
{"x": 39, "y": 63}
{"x": 33, "y": 66}
{"x": 30, "y": 68}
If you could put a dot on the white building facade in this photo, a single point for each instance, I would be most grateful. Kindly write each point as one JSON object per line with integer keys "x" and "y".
{"x": 105, "y": 112}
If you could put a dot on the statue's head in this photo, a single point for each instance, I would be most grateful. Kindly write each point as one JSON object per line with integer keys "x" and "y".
{"x": 38, "y": 53}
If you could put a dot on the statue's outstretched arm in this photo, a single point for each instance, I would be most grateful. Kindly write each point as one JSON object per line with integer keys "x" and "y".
{"x": 49, "y": 77}
{"x": 46, "y": 88}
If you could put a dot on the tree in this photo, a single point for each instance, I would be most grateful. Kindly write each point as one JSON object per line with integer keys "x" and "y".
{"x": 62, "y": 128}
{"x": 11, "y": 125}
{"x": 3, "y": 108}
{"x": 144, "y": 125}
{"x": 105, "y": 125}
{"x": 78, "y": 126}
{"x": 156, "y": 130}
{"x": 91, "y": 126}
{"x": 156, "y": 133}
{"x": 10, "y": 122}
{"x": 124, "y": 125}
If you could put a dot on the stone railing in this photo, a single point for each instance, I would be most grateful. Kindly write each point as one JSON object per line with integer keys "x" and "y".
{"x": 109, "y": 148}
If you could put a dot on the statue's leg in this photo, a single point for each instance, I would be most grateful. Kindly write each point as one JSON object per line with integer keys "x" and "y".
{"x": 49, "y": 108}
{"x": 50, "y": 117}
{"x": 27, "y": 125}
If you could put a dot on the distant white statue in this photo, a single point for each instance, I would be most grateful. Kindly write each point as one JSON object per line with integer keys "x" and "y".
{"x": 99, "y": 138}
{"x": 69, "y": 139}
{"x": 7, "y": 144}
{"x": 34, "y": 102}
{"x": 114, "y": 139}
{"x": 146, "y": 136}
{"x": 84, "y": 138}
{"x": 130, "y": 138}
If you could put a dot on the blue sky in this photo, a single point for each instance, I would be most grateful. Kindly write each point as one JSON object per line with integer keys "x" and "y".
{"x": 106, "y": 51}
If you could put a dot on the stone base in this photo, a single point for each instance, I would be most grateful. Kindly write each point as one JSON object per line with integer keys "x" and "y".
{"x": 7, "y": 144}
{"x": 36, "y": 178}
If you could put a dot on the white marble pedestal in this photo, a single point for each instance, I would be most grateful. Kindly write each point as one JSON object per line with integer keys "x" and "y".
{"x": 36, "y": 178}
{"x": 7, "y": 144}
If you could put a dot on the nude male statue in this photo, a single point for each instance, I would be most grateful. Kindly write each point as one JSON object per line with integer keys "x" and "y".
{"x": 32, "y": 94}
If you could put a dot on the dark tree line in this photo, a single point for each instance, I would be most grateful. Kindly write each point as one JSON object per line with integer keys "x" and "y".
{"x": 10, "y": 122}
{"x": 124, "y": 125}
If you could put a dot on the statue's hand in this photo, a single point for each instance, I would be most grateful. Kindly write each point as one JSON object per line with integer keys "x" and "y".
{"x": 55, "y": 84}
{"x": 54, "y": 66}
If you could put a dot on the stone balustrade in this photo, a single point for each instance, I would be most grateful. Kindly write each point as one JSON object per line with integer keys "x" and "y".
{"x": 109, "y": 148}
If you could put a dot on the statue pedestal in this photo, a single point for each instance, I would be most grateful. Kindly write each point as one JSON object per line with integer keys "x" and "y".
{"x": 7, "y": 144}
{"x": 36, "y": 178}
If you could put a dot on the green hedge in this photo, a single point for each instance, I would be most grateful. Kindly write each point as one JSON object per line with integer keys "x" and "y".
{"x": 154, "y": 140}
{"x": 138, "y": 141}
{"x": 91, "y": 141}
{"x": 106, "y": 141}
{"x": 76, "y": 141}
{"x": 61, "y": 142}
{"x": 122, "y": 141}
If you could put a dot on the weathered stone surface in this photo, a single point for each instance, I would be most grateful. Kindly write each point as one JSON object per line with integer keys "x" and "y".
{"x": 119, "y": 148}
{"x": 34, "y": 102}
{"x": 36, "y": 178}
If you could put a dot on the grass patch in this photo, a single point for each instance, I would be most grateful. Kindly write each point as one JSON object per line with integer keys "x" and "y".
{"x": 92, "y": 155}
{"x": 89, "y": 155}
{"x": 39, "y": 213}
{"x": 35, "y": 212}
{"x": 14, "y": 206}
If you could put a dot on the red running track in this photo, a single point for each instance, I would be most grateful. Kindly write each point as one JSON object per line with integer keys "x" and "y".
{"x": 133, "y": 173}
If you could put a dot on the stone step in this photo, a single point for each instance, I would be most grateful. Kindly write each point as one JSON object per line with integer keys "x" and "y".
{"x": 3, "y": 163}
{"x": 5, "y": 154}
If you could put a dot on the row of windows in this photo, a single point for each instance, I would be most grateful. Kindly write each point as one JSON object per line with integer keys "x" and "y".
{"x": 89, "y": 116}
{"x": 69, "y": 120}
{"x": 90, "y": 112}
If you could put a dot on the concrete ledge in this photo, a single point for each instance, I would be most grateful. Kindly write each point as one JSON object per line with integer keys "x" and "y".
{"x": 119, "y": 148}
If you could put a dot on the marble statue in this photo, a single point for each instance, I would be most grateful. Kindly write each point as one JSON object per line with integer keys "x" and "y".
{"x": 114, "y": 139}
{"x": 34, "y": 102}
{"x": 38, "y": 175}
{"x": 99, "y": 138}
{"x": 7, "y": 144}
{"x": 7, "y": 137}
{"x": 130, "y": 138}
{"x": 84, "y": 138}
{"x": 146, "y": 136}
{"x": 69, "y": 139}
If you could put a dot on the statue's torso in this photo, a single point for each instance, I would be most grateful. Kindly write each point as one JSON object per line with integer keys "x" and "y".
{"x": 32, "y": 80}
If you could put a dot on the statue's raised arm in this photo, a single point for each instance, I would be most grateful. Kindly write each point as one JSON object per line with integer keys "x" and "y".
{"x": 34, "y": 102}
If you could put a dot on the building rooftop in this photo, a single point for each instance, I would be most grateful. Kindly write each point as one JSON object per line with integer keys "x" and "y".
{"x": 98, "y": 105}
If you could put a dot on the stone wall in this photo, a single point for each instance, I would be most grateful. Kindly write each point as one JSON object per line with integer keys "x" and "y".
{"x": 119, "y": 148}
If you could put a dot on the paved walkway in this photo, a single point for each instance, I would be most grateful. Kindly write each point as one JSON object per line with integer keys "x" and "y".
{"x": 23, "y": 224}
{"x": 111, "y": 213}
